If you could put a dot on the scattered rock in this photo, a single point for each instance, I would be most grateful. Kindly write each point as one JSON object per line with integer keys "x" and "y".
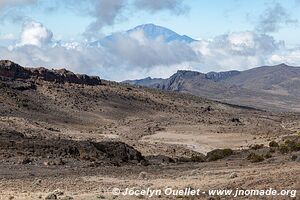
{"x": 143, "y": 175}
{"x": 66, "y": 198}
{"x": 46, "y": 163}
{"x": 25, "y": 161}
{"x": 59, "y": 161}
{"x": 58, "y": 192}
{"x": 37, "y": 182}
{"x": 194, "y": 172}
{"x": 235, "y": 120}
{"x": 233, "y": 175}
{"x": 50, "y": 196}
{"x": 100, "y": 197}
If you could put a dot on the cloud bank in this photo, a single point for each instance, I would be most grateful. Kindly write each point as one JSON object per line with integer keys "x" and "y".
{"x": 133, "y": 55}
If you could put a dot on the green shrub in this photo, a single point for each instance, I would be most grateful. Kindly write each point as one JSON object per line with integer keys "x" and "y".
{"x": 293, "y": 145}
{"x": 253, "y": 157}
{"x": 22, "y": 103}
{"x": 268, "y": 155}
{"x": 294, "y": 157}
{"x": 257, "y": 146}
{"x": 272, "y": 150}
{"x": 197, "y": 158}
{"x": 273, "y": 144}
{"x": 218, "y": 154}
{"x": 283, "y": 148}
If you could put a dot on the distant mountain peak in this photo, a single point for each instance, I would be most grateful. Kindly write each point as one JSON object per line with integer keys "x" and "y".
{"x": 153, "y": 31}
{"x": 283, "y": 65}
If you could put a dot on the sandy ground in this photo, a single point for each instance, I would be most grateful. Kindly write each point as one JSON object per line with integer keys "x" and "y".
{"x": 99, "y": 183}
{"x": 203, "y": 139}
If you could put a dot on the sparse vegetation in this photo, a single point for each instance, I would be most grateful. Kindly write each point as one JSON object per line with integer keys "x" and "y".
{"x": 72, "y": 130}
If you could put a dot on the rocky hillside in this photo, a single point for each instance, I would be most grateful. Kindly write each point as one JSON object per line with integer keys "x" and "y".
{"x": 269, "y": 87}
{"x": 51, "y": 107}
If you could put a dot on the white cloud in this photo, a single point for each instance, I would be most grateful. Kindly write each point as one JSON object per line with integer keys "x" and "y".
{"x": 290, "y": 57}
{"x": 239, "y": 50}
{"x": 35, "y": 33}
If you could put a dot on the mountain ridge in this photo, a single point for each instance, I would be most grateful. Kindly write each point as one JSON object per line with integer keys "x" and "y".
{"x": 13, "y": 71}
{"x": 266, "y": 87}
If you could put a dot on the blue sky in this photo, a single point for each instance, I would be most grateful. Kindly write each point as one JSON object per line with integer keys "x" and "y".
{"x": 205, "y": 19}
{"x": 265, "y": 22}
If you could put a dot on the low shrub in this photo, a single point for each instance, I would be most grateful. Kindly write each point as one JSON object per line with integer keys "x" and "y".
{"x": 253, "y": 157}
{"x": 283, "y": 148}
{"x": 218, "y": 154}
{"x": 294, "y": 157}
{"x": 272, "y": 150}
{"x": 273, "y": 144}
{"x": 293, "y": 145}
{"x": 197, "y": 158}
{"x": 257, "y": 146}
{"x": 268, "y": 155}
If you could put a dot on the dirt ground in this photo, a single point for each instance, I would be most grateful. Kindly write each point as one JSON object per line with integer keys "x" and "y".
{"x": 35, "y": 182}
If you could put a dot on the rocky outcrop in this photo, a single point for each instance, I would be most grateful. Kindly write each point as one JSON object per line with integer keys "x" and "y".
{"x": 219, "y": 76}
{"x": 59, "y": 151}
{"x": 13, "y": 71}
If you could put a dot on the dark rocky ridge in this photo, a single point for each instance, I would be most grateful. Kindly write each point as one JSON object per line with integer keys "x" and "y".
{"x": 13, "y": 71}
{"x": 38, "y": 149}
{"x": 274, "y": 88}
{"x": 219, "y": 76}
